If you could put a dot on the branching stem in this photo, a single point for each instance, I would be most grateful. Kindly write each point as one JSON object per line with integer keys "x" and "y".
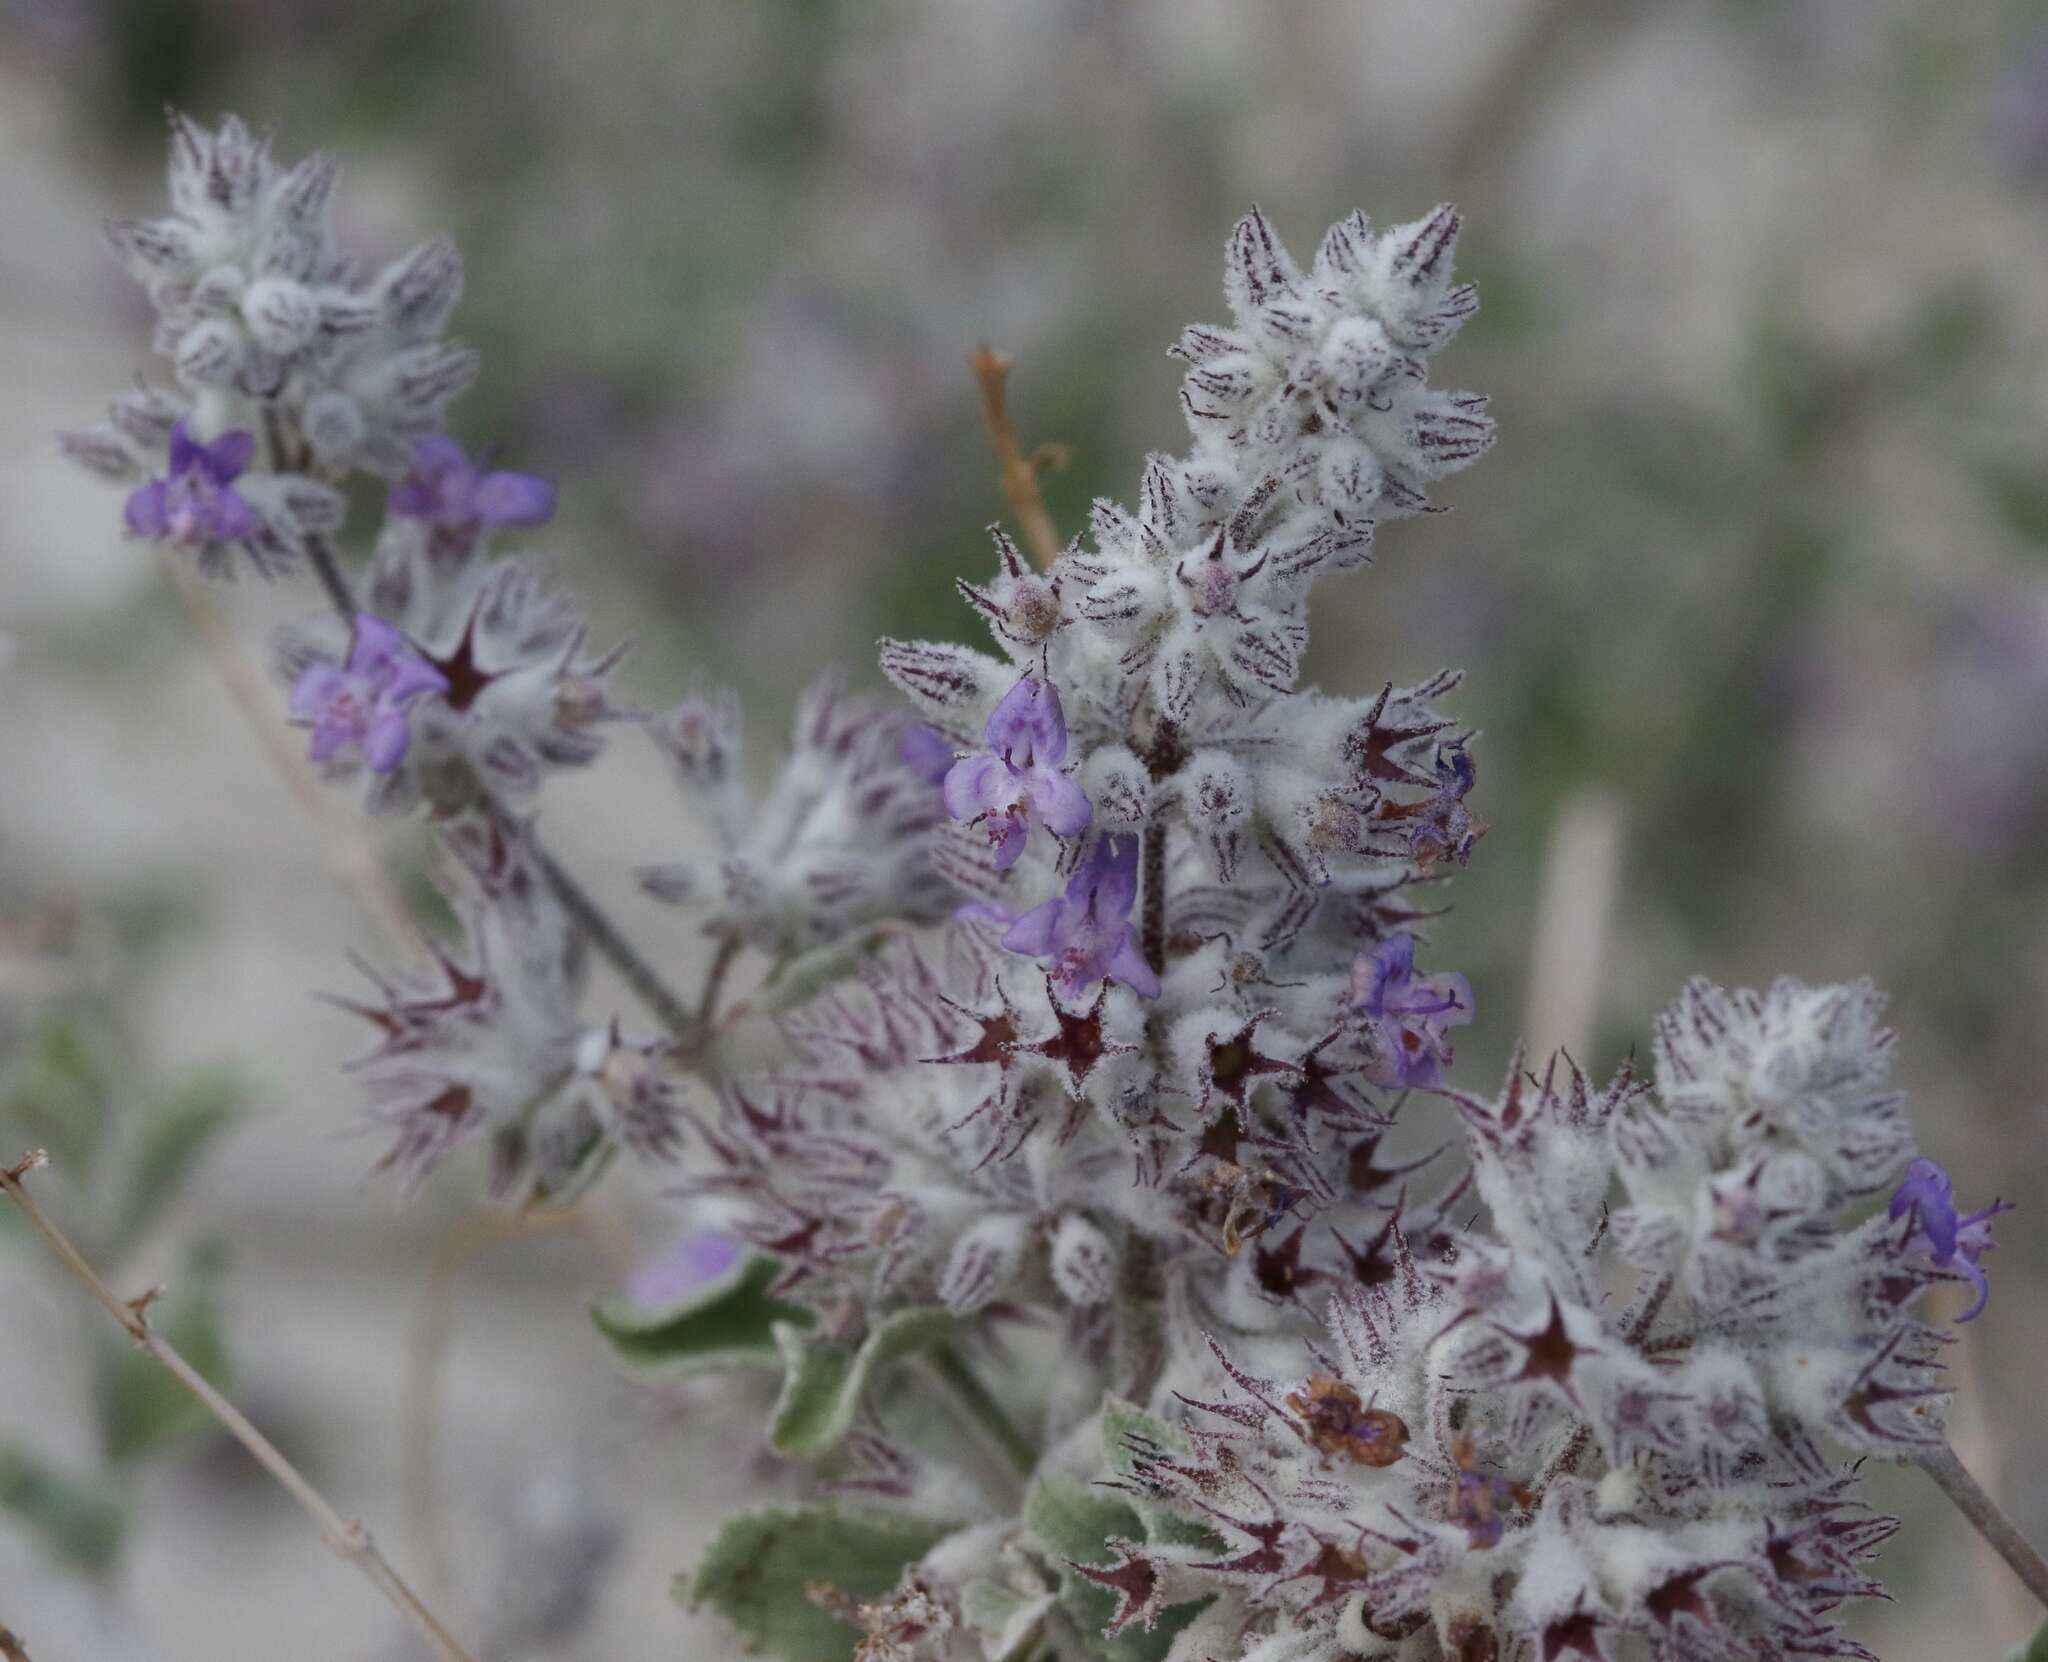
{"x": 1940, "y": 1463}
{"x": 349, "y": 1541}
{"x": 624, "y": 957}
{"x": 588, "y": 916}
{"x": 1016, "y": 472}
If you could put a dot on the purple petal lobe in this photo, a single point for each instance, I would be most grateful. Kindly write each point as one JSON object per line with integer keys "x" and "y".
{"x": 513, "y": 499}
{"x": 144, "y": 511}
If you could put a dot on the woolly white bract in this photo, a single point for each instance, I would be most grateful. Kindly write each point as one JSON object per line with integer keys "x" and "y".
{"x": 1094, "y": 983}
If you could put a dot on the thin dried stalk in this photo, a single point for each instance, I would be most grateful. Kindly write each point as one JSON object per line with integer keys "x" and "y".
{"x": 349, "y": 1541}
{"x": 1017, "y": 473}
{"x": 350, "y": 849}
{"x": 426, "y": 1362}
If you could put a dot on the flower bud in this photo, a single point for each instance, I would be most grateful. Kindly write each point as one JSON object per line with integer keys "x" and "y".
{"x": 1084, "y": 1261}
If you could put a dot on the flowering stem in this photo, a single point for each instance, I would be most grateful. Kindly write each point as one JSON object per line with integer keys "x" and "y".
{"x": 1018, "y": 473}
{"x": 349, "y": 1541}
{"x": 976, "y": 1405}
{"x": 1940, "y": 1463}
{"x": 587, "y": 914}
{"x": 1154, "y": 881}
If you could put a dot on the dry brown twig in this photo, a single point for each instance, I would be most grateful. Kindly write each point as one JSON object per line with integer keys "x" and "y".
{"x": 426, "y": 1360}
{"x": 1017, "y": 473}
{"x": 349, "y": 1541}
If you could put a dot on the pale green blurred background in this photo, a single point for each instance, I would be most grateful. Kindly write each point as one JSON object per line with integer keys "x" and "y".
{"x": 1754, "y": 589}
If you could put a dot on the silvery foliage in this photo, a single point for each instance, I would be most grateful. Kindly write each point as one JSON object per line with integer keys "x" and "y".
{"x": 1589, "y": 1379}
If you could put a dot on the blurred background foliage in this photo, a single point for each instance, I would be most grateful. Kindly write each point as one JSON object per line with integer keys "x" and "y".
{"x": 1762, "y": 556}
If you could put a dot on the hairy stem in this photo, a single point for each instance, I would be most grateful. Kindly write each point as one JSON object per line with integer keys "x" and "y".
{"x": 1017, "y": 473}
{"x": 981, "y": 1410}
{"x": 1955, "y": 1481}
{"x": 349, "y": 1541}
{"x": 1154, "y": 883}
{"x": 327, "y": 567}
{"x": 624, "y": 957}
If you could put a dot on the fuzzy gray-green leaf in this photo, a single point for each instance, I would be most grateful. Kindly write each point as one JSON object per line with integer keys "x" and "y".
{"x": 728, "y": 1323}
{"x": 825, "y": 1381}
{"x": 761, "y": 1563}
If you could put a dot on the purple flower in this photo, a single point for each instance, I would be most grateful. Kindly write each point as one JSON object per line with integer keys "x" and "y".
{"x": 196, "y": 503}
{"x": 1087, "y": 931}
{"x": 1015, "y": 781}
{"x": 1952, "y": 1242}
{"x": 681, "y": 1267}
{"x": 364, "y": 704}
{"x": 1410, "y": 1012}
{"x": 1481, "y": 1507}
{"x": 926, "y": 753}
{"x": 446, "y": 487}
{"x": 1444, "y": 830}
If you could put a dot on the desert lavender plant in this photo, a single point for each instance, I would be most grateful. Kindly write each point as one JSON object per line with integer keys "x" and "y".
{"x": 1095, "y": 990}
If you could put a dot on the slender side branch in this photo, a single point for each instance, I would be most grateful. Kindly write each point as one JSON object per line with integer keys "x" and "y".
{"x": 603, "y": 934}
{"x": 327, "y": 567}
{"x": 714, "y": 982}
{"x": 1941, "y": 1464}
{"x": 349, "y": 1541}
{"x": 588, "y": 915}
{"x": 1018, "y": 473}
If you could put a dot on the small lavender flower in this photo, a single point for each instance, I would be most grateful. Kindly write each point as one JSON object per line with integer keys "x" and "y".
{"x": 1410, "y": 1013}
{"x": 446, "y": 488}
{"x": 364, "y": 704}
{"x": 1928, "y": 1193}
{"x": 196, "y": 502}
{"x": 1015, "y": 781}
{"x": 1087, "y": 931}
{"x": 681, "y": 1267}
{"x": 1443, "y": 829}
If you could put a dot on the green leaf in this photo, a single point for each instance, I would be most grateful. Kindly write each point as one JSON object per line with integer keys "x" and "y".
{"x": 727, "y": 1323}
{"x": 142, "y": 1409}
{"x": 1072, "y": 1522}
{"x": 1125, "y": 1429}
{"x": 78, "y": 1520}
{"x": 760, "y": 1563}
{"x": 179, "y": 1126}
{"x": 825, "y": 1380}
